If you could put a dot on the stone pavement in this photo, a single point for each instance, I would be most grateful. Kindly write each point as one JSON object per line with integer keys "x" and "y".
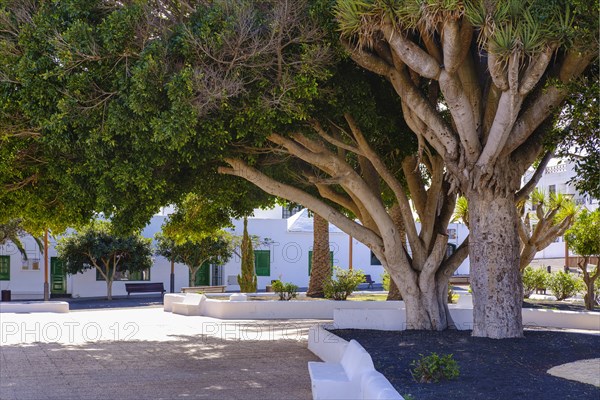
{"x": 145, "y": 353}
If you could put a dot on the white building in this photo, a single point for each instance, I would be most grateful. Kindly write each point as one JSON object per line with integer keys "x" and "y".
{"x": 555, "y": 179}
{"x": 285, "y": 254}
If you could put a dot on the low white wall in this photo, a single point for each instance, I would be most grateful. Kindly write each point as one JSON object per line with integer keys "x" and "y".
{"x": 317, "y": 309}
{"x": 34, "y": 306}
{"x": 377, "y": 319}
{"x": 390, "y": 319}
{"x": 561, "y": 319}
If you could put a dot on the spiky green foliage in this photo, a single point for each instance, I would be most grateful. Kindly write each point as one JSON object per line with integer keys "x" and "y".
{"x": 504, "y": 26}
{"x": 247, "y": 278}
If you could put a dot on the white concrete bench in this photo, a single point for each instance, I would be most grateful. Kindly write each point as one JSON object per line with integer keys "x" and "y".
{"x": 192, "y": 304}
{"x": 171, "y": 298}
{"x": 341, "y": 380}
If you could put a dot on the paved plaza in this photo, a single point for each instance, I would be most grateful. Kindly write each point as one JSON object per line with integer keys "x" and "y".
{"x": 145, "y": 353}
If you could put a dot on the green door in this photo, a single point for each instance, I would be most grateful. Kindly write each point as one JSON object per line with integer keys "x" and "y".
{"x": 203, "y": 276}
{"x": 58, "y": 276}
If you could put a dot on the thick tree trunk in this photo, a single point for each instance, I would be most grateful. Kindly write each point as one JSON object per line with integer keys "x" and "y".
{"x": 321, "y": 260}
{"x": 495, "y": 277}
{"x": 527, "y": 254}
{"x": 394, "y": 292}
{"x": 396, "y": 214}
{"x": 425, "y": 306}
{"x": 588, "y": 298}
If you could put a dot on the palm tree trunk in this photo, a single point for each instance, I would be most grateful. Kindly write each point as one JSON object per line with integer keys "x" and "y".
{"x": 321, "y": 260}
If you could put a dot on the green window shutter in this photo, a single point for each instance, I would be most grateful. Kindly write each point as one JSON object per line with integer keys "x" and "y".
{"x": 4, "y": 268}
{"x": 262, "y": 262}
{"x": 310, "y": 253}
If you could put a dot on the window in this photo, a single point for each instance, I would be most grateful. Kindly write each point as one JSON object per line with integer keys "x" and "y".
{"x": 450, "y": 249}
{"x": 310, "y": 253}
{"x": 262, "y": 262}
{"x": 552, "y": 189}
{"x": 4, "y": 268}
{"x": 288, "y": 212}
{"x": 374, "y": 259}
{"x": 127, "y": 276}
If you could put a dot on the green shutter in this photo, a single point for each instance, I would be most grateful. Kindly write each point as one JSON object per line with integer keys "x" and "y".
{"x": 4, "y": 268}
{"x": 203, "y": 275}
{"x": 310, "y": 253}
{"x": 262, "y": 262}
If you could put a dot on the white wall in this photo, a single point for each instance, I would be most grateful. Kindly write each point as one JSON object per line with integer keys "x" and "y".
{"x": 289, "y": 253}
{"x": 29, "y": 284}
{"x": 288, "y": 250}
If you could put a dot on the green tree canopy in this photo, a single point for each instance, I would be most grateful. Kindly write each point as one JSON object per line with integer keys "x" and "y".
{"x": 584, "y": 239}
{"x": 97, "y": 246}
{"x": 195, "y": 252}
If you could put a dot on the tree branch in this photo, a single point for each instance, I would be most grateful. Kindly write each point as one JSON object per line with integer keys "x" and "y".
{"x": 271, "y": 186}
{"x": 410, "y": 53}
{"x": 535, "y": 178}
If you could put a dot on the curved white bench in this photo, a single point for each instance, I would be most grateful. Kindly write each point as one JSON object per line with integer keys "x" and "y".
{"x": 170, "y": 298}
{"x": 341, "y": 380}
{"x": 330, "y": 380}
{"x": 192, "y": 304}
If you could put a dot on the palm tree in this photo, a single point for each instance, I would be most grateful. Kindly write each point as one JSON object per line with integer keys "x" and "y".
{"x": 12, "y": 230}
{"x": 321, "y": 260}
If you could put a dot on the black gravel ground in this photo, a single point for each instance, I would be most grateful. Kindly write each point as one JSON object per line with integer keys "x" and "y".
{"x": 489, "y": 369}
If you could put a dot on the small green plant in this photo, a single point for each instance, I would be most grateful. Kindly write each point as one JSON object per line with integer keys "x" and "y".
{"x": 534, "y": 279}
{"x": 452, "y": 297}
{"x": 285, "y": 290}
{"x": 385, "y": 280}
{"x": 408, "y": 396}
{"x": 345, "y": 282}
{"x": 563, "y": 285}
{"x": 434, "y": 368}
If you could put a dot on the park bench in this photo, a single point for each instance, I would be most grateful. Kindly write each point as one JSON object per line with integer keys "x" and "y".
{"x": 149, "y": 287}
{"x": 331, "y": 380}
{"x": 460, "y": 280}
{"x": 192, "y": 304}
{"x": 369, "y": 281}
{"x": 203, "y": 289}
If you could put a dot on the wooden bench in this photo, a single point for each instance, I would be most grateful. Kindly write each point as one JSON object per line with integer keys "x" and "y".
{"x": 341, "y": 380}
{"x": 203, "y": 289}
{"x": 460, "y": 280}
{"x": 149, "y": 287}
{"x": 369, "y": 281}
{"x": 192, "y": 304}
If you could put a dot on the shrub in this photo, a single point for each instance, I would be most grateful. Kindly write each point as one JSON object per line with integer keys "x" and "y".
{"x": 434, "y": 368}
{"x": 452, "y": 297}
{"x": 563, "y": 285}
{"x": 534, "y": 279}
{"x": 345, "y": 282}
{"x": 385, "y": 280}
{"x": 285, "y": 290}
